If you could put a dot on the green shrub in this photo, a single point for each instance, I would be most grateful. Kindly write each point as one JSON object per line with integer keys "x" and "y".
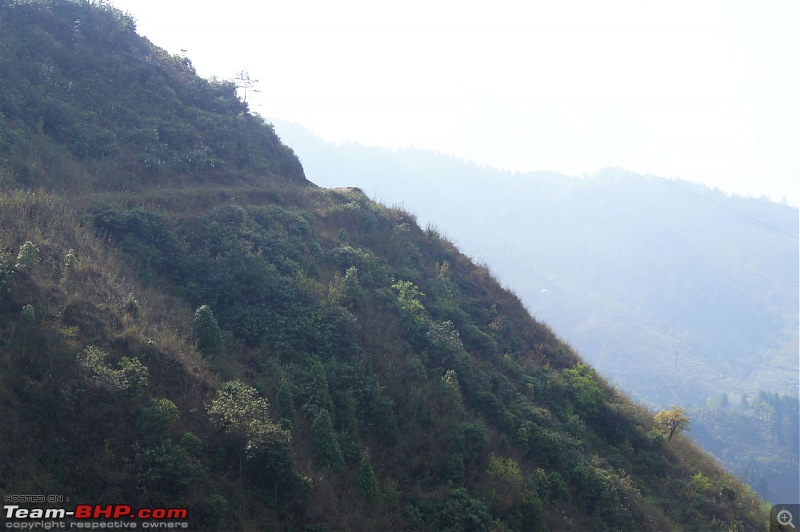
{"x": 132, "y": 375}
{"x": 168, "y": 470}
{"x": 28, "y": 256}
{"x": 323, "y": 438}
{"x": 158, "y": 419}
{"x": 205, "y": 330}
{"x": 455, "y": 512}
{"x": 131, "y": 305}
{"x": 700, "y": 483}
{"x": 239, "y": 409}
{"x": 728, "y": 493}
{"x": 504, "y": 481}
{"x": 587, "y": 394}
{"x": 71, "y": 264}
{"x": 28, "y": 315}
{"x": 366, "y": 481}
{"x": 413, "y": 312}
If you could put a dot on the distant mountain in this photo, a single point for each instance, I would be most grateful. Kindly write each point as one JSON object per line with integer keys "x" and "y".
{"x": 676, "y": 292}
{"x": 188, "y": 325}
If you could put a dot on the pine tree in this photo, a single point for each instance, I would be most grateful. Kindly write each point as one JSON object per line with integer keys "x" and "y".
{"x": 286, "y": 400}
{"x": 326, "y": 447}
{"x": 365, "y": 478}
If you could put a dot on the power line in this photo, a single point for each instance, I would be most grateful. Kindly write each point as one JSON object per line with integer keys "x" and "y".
{"x": 739, "y": 214}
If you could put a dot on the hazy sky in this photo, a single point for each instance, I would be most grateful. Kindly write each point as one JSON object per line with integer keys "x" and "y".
{"x": 701, "y": 90}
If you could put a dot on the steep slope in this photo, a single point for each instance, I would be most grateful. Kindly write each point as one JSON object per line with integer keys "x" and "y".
{"x": 715, "y": 276}
{"x": 78, "y": 84}
{"x": 675, "y": 292}
{"x": 230, "y": 339}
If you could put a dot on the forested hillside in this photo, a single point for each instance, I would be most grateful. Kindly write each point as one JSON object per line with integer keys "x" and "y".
{"x": 679, "y": 294}
{"x": 185, "y": 321}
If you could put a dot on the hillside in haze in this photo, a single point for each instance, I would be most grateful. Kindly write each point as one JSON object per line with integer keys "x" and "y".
{"x": 186, "y": 322}
{"x": 677, "y": 293}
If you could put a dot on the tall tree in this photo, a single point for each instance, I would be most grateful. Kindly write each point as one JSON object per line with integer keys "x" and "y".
{"x": 326, "y": 447}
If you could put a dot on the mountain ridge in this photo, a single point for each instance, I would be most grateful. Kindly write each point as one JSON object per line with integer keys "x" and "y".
{"x": 678, "y": 293}
{"x": 475, "y": 192}
{"x": 221, "y": 335}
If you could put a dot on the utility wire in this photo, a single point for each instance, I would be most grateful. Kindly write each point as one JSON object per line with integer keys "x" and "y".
{"x": 739, "y": 214}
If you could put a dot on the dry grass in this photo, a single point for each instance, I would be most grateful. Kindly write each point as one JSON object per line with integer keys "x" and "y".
{"x": 99, "y": 284}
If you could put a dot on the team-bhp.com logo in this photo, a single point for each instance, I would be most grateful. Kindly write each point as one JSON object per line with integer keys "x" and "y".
{"x": 94, "y": 516}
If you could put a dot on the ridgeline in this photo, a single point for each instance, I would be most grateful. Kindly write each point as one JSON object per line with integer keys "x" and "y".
{"x": 186, "y": 321}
